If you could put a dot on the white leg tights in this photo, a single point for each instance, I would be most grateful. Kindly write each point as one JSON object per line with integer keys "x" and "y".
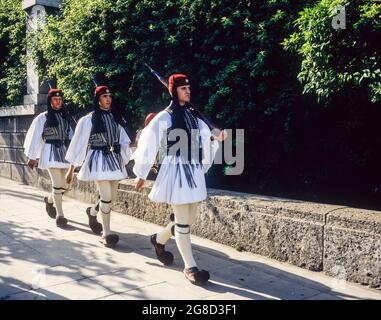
{"x": 107, "y": 192}
{"x": 184, "y": 217}
{"x": 59, "y": 187}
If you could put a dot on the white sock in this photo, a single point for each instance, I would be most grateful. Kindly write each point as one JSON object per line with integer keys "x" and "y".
{"x": 94, "y": 211}
{"x": 105, "y": 209}
{"x": 182, "y": 234}
{"x": 164, "y": 235}
{"x": 183, "y": 241}
{"x": 106, "y": 224}
{"x": 57, "y": 197}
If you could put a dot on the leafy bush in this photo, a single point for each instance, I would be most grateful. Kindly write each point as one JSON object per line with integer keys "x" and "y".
{"x": 12, "y": 57}
{"x": 337, "y": 59}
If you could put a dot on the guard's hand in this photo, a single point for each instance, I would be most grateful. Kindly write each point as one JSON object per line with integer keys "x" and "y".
{"x": 134, "y": 144}
{"x": 69, "y": 177}
{"x": 32, "y": 163}
{"x": 139, "y": 183}
{"x": 222, "y": 135}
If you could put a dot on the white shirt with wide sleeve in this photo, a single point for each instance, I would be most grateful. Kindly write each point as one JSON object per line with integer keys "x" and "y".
{"x": 35, "y": 147}
{"x": 170, "y": 186}
{"x": 78, "y": 153}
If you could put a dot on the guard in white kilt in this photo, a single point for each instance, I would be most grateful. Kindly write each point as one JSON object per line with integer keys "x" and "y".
{"x": 101, "y": 147}
{"x": 189, "y": 153}
{"x": 47, "y": 140}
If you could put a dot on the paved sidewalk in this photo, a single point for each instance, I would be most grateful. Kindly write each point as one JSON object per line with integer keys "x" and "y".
{"x": 40, "y": 261}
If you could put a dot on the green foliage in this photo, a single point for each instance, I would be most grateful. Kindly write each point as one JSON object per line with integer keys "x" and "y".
{"x": 333, "y": 59}
{"x": 12, "y": 48}
{"x": 230, "y": 49}
{"x": 239, "y": 247}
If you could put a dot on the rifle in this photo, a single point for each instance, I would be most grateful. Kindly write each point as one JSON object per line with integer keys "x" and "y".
{"x": 197, "y": 111}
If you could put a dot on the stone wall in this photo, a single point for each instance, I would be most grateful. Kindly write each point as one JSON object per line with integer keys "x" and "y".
{"x": 14, "y": 122}
{"x": 341, "y": 241}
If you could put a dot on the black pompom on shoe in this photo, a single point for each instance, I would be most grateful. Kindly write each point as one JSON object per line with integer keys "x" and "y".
{"x": 110, "y": 240}
{"x": 50, "y": 208}
{"x": 165, "y": 257}
{"x": 94, "y": 225}
{"x": 197, "y": 277}
{"x": 61, "y": 222}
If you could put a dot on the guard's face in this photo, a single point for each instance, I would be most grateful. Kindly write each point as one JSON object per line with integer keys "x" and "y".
{"x": 56, "y": 103}
{"x": 105, "y": 101}
{"x": 184, "y": 94}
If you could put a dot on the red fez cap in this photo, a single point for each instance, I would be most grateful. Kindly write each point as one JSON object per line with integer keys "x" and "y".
{"x": 55, "y": 93}
{"x": 149, "y": 118}
{"x": 177, "y": 80}
{"x": 101, "y": 90}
